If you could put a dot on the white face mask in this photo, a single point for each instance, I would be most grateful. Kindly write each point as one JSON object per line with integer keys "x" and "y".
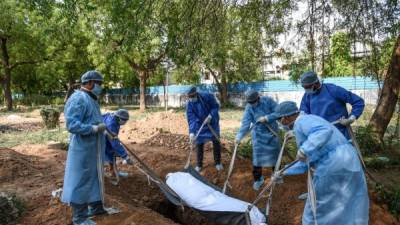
{"x": 310, "y": 91}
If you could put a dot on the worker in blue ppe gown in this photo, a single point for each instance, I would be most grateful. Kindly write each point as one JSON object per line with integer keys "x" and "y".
{"x": 203, "y": 108}
{"x": 329, "y": 102}
{"x": 82, "y": 186}
{"x": 114, "y": 149}
{"x": 338, "y": 177}
{"x": 259, "y": 113}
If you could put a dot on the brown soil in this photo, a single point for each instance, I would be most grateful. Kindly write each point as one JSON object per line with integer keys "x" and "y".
{"x": 33, "y": 171}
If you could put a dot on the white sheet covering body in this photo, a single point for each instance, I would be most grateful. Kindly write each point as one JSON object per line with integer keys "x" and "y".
{"x": 202, "y": 197}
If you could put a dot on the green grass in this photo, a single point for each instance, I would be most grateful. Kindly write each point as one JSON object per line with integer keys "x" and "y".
{"x": 42, "y": 136}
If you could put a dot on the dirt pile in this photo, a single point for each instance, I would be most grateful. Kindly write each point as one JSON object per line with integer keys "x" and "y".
{"x": 168, "y": 140}
{"x": 160, "y": 122}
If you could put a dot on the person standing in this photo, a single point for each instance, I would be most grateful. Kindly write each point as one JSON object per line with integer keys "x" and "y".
{"x": 82, "y": 188}
{"x": 338, "y": 178}
{"x": 259, "y": 113}
{"x": 204, "y": 108}
{"x": 329, "y": 102}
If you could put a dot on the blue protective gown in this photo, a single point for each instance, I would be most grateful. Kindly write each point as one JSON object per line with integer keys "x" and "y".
{"x": 339, "y": 181}
{"x": 113, "y": 147}
{"x": 196, "y": 113}
{"x": 330, "y": 103}
{"x": 81, "y": 182}
{"x": 266, "y": 145}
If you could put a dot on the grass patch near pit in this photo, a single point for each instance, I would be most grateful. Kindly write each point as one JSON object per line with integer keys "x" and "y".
{"x": 43, "y": 136}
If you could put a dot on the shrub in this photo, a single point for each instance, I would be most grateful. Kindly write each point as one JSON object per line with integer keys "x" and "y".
{"x": 366, "y": 141}
{"x": 11, "y": 208}
{"x": 50, "y": 116}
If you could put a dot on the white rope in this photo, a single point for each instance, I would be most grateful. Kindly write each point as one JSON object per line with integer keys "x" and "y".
{"x": 100, "y": 168}
{"x": 312, "y": 194}
{"x": 191, "y": 147}
{"x": 226, "y": 184}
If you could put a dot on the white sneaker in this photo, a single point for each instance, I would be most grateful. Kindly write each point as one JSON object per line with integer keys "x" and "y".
{"x": 258, "y": 184}
{"x": 198, "y": 169}
{"x": 219, "y": 167}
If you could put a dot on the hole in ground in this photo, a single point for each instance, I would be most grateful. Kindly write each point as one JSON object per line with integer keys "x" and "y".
{"x": 187, "y": 216}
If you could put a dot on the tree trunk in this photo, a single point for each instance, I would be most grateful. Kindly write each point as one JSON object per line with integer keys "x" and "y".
{"x": 71, "y": 89}
{"x": 388, "y": 96}
{"x": 7, "y": 89}
{"x": 142, "y": 89}
{"x": 224, "y": 91}
{"x": 6, "y": 80}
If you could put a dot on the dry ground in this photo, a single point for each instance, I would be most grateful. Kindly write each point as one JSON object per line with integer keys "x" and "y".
{"x": 33, "y": 171}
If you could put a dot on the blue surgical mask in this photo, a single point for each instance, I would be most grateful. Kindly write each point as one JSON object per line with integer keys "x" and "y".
{"x": 194, "y": 99}
{"x": 97, "y": 89}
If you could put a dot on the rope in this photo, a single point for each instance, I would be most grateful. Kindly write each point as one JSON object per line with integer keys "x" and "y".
{"x": 115, "y": 169}
{"x": 100, "y": 168}
{"x": 312, "y": 194}
{"x": 191, "y": 147}
{"x": 230, "y": 170}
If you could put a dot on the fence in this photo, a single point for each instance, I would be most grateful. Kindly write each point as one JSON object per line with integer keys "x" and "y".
{"x": 280, "y": 90}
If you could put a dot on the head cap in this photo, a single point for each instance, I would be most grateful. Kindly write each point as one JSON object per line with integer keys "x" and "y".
{"x": 286, "y": 108}
{"x": 122, "y": 114}
{"x": 91, "y": 75}
{"x": 308, "y": 78}
{"x": 252, "y": 96}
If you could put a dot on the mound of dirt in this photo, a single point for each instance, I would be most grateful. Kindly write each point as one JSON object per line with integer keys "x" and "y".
{"x": 168, "y": 140}
{"x": 160, "y": 122}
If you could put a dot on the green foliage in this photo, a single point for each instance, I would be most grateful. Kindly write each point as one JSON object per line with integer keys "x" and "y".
{"x": 50, "y": 117}
{"x": 339, "y": 62}
{"x": 390, "y": 197}
{"x": 245, "y": 149}
{"x": 11, "y": 208}
{"x": 366, "y": 142}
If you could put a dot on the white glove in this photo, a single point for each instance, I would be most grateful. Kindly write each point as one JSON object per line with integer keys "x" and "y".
{"x": 301, "y": 156}
{"x": 100, "y": 128}
{"x": 289, "y": 134}
{"x": 208, "y": 119}
{"x": 277, "y": 178}
{"x": 191, "y": 138}
{"x": 262, "y": 119}
{"x": 127, "y": 160}
{"x": 348, "y": 121}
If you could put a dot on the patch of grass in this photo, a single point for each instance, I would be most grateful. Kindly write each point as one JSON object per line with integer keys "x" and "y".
{"x": 231, "y": 114}
{"x": 43, "y": 136}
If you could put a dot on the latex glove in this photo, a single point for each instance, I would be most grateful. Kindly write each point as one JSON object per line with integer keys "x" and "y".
{"x": 208, "y": 119}
{"x": 277, "y": 178}
{"x": 100, "y": 128}
{"x": 192, "y": 138}
{"x": 289, "y": 134}
{"x": 127, "y": 160}
{"x": 237, "y": 141}
{"x": 262, "y": 119}
{"x": 348, "y": 121}
{"x": 301, "y": 156}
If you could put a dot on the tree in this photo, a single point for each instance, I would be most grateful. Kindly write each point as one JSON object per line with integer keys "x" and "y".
{"x": 20, "y": 42}
{"x": 388, "y": 97}
{"x": 339, "y": 61}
